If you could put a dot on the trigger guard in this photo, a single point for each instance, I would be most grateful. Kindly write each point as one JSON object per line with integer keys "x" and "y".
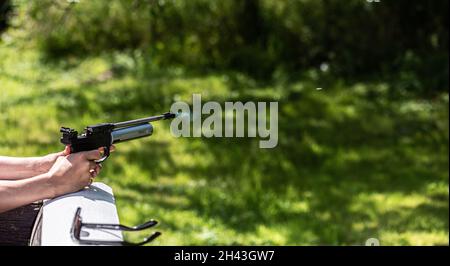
{"x": 104, "y": 157}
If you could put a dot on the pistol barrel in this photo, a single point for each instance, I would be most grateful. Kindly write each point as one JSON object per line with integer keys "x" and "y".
{"x": 144, "y": 120}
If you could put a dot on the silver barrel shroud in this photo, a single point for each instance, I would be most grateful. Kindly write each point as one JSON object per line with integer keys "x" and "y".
{"x": 133, "y": 132}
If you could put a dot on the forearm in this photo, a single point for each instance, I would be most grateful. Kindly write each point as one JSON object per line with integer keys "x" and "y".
{"x": 16, "y": 193}
{"x": 18, "y": 168}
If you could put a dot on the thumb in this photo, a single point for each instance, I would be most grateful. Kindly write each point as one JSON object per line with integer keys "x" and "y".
{"x": 66, "y": 151}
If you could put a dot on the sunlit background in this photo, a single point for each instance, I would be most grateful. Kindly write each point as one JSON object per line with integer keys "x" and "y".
{"x": 365, "y": 156}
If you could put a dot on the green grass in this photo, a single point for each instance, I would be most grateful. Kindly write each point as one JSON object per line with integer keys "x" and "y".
{"x": 353, "y": 162}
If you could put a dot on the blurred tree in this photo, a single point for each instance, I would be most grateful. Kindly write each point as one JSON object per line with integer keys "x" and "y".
{"x": 5, "y": 10}
{"x": 356, "y": 39}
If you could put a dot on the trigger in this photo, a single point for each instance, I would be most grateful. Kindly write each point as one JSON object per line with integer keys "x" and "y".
{"x": 105, "y": 156}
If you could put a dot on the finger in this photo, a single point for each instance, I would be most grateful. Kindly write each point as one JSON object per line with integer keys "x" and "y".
{"x": 92, "y": 173}
{"x": 90, "y": 181}
{"x": 112, "y": 148}
{"x": 66, "y": 150}
{"x": 96, "y": 171}
{"x": 94, "y": 154}
{"x": 92, "y": 165}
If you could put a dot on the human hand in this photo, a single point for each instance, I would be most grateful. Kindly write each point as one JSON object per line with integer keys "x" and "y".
{"x": 73, "y": 172}
{"x": 44, "y": 163}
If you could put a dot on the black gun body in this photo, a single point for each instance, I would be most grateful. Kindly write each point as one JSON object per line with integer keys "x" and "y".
{"x": 85, "y": 143}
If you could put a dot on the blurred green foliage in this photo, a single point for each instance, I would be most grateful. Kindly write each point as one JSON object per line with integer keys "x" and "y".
{"x": 365, "y": 156}
{"x": 356, "y": 39}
